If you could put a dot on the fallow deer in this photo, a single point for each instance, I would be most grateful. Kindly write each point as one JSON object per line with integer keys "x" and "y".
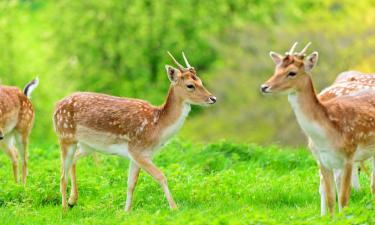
{"x": 341, "y": 130}
{"x": 347, "y": 83}
{"x": 16, "y": 122}
{"x": 129, "y": 128}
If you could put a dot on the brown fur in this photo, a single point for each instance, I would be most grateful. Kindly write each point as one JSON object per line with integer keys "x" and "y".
{"x": 16, "y": 121}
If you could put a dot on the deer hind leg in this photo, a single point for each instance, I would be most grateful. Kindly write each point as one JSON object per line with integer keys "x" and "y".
{"x": 22, "y": 140}
{"x": 82, "y": 151}
{"x": 8, "y": 146}
{"x": 132, "y": 181}
{"x": 345, "y": 185}
{"x": 67, "y": 153}
{"x": 329, "y": 189}
{"x": 146, "y": 164}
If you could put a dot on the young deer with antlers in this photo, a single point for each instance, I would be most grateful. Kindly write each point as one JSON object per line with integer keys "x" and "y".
{"x": 125, "y": 127}
{"x": 16, "y": 121}
{"x": 341, "y": 129}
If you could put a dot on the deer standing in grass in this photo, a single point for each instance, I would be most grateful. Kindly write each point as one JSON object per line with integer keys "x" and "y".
{"x": 129, "y": 128}
{"x": 340, "y": 127}
{"x": 16, "y": 122}
{"x": 347, "y": 83}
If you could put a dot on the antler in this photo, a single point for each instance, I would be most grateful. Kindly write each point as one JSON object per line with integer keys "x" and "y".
{"x": 292, "y": 49}
{"x": 186, "y": 61}
{"x": 180, "y": 67}
{"x": 302, "y": 53}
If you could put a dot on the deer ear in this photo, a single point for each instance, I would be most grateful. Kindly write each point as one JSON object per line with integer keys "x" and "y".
{"x": 172, "y": 73}
{"x": 276, "y": 57}
{"x": 311, "y": 61}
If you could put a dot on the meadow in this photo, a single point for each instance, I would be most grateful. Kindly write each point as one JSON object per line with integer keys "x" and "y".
{"x": 219, "y": 183}
{"x": 118, "y": 47}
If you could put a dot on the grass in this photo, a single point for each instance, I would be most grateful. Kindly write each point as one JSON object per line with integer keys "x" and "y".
{"x": 221, "y": 183}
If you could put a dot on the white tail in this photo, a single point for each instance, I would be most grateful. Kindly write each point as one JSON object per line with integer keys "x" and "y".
{"x": 30, "y": 87}
{"x": 340, "y": 127}
{"x": 125, "y": 127}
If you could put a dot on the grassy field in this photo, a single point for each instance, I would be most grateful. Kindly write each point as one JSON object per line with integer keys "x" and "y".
{"x": 221, "y": 183}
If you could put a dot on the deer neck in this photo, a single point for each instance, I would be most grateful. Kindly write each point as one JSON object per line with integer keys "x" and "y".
{"x": 311, "y": 114}
{"x": 172, "y": 114}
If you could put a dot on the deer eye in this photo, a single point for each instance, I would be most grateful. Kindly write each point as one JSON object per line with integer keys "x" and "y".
{"x": 292, "y": 74}
{"x": 190, "y": 87}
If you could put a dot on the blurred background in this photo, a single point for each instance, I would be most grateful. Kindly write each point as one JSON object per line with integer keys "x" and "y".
{"x": 119, "y": 47}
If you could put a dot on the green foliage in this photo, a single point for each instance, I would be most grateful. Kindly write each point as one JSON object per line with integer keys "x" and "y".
{"x": 220, "y": 183}
{"x": 119, "y": 47}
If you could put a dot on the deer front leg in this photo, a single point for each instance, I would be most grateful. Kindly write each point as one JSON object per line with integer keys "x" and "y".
{"x": 146, "y": 164}
{"x": 132, "y": 181}
{"x": 345, "y": 184}
{"x": 329, "y": 189}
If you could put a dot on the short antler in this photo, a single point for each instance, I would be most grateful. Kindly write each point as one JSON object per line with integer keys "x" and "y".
{"x": 303, "y": 52}
{"x": 292, "y": 49}
{"x": 180, "y": 67}
{"x": 186, "y": 61}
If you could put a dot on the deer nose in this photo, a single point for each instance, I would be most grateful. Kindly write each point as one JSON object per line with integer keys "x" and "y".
{"x": 264, "y": 88}
{"x": 213, "y": 99}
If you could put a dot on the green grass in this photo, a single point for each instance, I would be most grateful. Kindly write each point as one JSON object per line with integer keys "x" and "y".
{"x": 222, "y": 183}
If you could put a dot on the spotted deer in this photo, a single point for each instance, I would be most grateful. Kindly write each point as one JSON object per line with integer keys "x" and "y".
{"x": 129, "y": 128}
{"x": 347, "y": 83}
{"x": 16, "y": 122}
{"x": 340, "y": 128}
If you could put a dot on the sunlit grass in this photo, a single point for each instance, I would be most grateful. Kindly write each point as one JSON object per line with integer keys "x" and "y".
{"x": 222, "y": 183}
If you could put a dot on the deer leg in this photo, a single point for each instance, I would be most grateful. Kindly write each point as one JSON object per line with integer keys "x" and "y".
{"x": 23, "y": 141}
{"x": 10, "y": 150}
{"x": 323, "y": 198}
{"x": 345, "y": 185}
{"x": 67, "y": 154}
{"x": 132, "y": 181}
{"x": 80, "y": 153}
{"x": 146, "y": 164}
{"x": 328, "y": 181}
{"x": 337, "y": 175}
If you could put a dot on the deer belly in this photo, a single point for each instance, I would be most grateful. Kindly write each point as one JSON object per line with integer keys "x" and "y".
{"x": 103, "y": 142}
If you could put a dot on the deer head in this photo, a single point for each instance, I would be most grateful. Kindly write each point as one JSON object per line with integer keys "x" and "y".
{"x": 187, "y": 85}
{"x": 291, "y": 72}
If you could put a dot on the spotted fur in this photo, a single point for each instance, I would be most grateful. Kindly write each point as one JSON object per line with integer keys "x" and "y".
{"x": 340, "y": 123}
{"x": 130, "y": 128}
{"x": 16, "y": 122}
